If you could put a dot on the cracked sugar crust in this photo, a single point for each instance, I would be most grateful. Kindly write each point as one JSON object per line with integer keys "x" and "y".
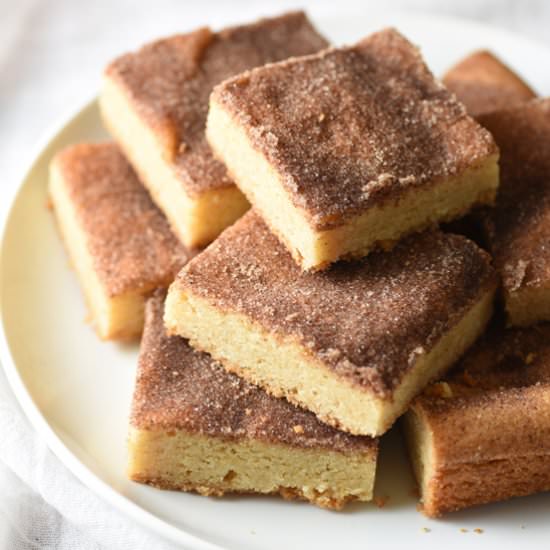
{"x": 169, "y": 82}
{"x": 518, "y": 227}
{"x": 180, "y": 388}
{"x": 354, "y": 126}
{"x": 368, "y": 320}
{"x": 129, "y": 239}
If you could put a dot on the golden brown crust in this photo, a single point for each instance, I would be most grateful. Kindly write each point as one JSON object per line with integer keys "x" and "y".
{"x": 180, "y": 388}
{"x": 484, "y": 84}
{"x": 323, "y": 499}
{"x": 351, "y": 127}
{"x": 473, "y": 484}
{"x": 366, "y": 320}
{"x": 169, "y": 82}
{"x": 518, "y": 228}
{"x": 130, "y": 241}
{"x": 490, "y": 421}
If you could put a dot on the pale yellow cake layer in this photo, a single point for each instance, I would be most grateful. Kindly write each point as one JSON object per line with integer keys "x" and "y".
{"x": 286, "y": 369}
{"x": 420, "y": 446}
{"x": 379, "y": 226}
{"x": 196, "y": 219}
{"x": 176, "y": 460}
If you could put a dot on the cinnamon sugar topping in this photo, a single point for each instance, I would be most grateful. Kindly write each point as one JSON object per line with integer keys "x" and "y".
{"x": 484, "y": 84}
{"x": 363, "y": 319}
{"x": 207, "y": 400}
{"x": 132, "y": 246}
{"x": 169, "y": 82}
{"x": 519, "y": 226}
{"x": 349, "y": 127}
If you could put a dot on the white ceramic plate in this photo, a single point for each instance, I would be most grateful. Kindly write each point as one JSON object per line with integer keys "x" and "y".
{"x": 77, "y": 390}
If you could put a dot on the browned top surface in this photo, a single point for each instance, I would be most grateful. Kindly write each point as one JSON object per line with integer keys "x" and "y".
{"x": 496, "y": 402}
{"x": 180, "y": 388}
{"x": 169, "y": 82}
{"x": 129, "y": 239}
{"x": 353, "y": 126}
{"x": 519, "y": 226}
{"x": 368, "y": 320}
{"x": 484, "y": 84}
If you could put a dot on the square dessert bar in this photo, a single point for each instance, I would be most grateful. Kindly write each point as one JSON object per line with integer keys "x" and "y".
{"x": 483, "y": 434}
{"x": 518, "y": 228}
{"x": 120, "y": 244}
{"x": 351, "y": 149}
{"x": 195, "y": 427}
{"x": 484, "y": 84}
{"x": 154, "y": 102}
{"x": 355, "y": 343}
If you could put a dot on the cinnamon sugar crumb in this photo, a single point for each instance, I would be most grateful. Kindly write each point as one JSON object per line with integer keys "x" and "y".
{"x": 380, "y": 502}
{"x": 381, "y": 181}
{"x": 514, "y": 274}
{"x": 440, "y": 389}
{"x": 478, "y": 530}
{"x": 425, "y": 530}
{"x": 468, "y": 379}
{"x": 332, "y": 354}
{"x": 407, "y": 180}
{"x": 419, "y": 350}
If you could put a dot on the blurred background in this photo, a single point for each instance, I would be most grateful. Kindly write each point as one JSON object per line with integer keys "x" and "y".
{"x": 52, "y": 53}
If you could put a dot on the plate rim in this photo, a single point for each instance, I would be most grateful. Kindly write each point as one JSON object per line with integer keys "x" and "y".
{"x": 32, "y": 412}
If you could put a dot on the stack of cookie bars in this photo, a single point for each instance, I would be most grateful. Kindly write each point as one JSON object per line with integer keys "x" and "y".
{"x": 291, "y": 229}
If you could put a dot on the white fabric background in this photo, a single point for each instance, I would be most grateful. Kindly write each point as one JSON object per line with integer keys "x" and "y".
{"x": 51, "y": 56}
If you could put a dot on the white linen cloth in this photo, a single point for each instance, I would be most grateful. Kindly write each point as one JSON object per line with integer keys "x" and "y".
{"x": 51, "y": 56}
